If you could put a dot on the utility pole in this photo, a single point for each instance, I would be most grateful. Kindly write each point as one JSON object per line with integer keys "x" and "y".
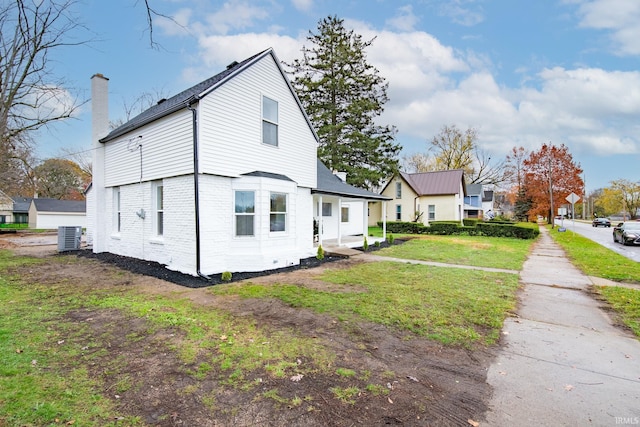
{"x": 552, "y": 217}
{"x": 584, "y": 196}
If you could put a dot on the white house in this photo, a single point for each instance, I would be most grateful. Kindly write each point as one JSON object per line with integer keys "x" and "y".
{"x": 216, "y": 178}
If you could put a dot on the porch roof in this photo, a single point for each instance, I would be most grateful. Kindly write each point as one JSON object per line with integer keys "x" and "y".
{"x": 332, "y": 185}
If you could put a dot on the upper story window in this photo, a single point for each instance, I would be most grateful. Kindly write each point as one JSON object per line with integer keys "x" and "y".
{"x": 278, "y": 212}
{"x": 398, "y": 190}
{"x": 245, "y": 212}
{"x": 158, "y": 207}
{"x": 269, "y": 121}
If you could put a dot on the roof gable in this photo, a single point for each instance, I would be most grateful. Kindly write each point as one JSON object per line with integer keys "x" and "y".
{"x": 191, "y": 96}
{"x": 436, "y": 183}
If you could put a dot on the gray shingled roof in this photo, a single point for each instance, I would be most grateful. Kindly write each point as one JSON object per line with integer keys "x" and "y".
{"x": 330, "y": 184}
{"x": 55, "y": 205}
{"x": 21, "y": 204}
{"x": 193, "y": 94}
{"x": 435, "y": 183}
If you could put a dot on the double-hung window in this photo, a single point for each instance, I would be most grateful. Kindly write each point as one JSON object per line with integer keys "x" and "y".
{"x": 398, "y": 190}
{"x": 278, "y": 212}
{"x": 432, "y": 212}
{"x": 117, "y": 213}
{"x": 398, "y": 212}
{"x": 245, "y": 212}
{"x": 269, "y": 121}
{"x": 345, "y": 214}
{"x": 158, "y": 207}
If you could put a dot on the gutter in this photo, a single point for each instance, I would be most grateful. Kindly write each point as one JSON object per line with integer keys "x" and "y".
{"x": 196, "y": 181}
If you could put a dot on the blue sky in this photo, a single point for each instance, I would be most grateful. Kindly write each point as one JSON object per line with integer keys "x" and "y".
{"x": 522, "y": 72}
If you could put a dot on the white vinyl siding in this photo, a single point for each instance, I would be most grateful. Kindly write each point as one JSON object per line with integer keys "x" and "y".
{"x": 167, "y": 150}
{"x": 230, "y": 131}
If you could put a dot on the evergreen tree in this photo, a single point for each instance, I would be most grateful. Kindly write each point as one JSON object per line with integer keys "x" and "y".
{"x": 343, "y": 95}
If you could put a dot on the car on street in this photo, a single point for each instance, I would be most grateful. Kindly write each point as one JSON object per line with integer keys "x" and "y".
{"x": 627, "y": 233}
{"x": 601, "y": 222}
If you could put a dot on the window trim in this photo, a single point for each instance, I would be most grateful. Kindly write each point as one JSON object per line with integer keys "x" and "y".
{"x": 158, "y": 210}
{"x": 277, "y": 213}
{"x": 117, "y": 210}
{"x": 431, "y": 212}
{"x": 342, "y": 214}
{"x": 398, "y": 190}
{"x": 236, "y": 214}
{"x": 398, "y": 212}
{"x": 270, "y": 121}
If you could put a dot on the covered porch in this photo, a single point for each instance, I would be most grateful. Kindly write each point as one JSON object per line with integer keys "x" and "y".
{"x": 341, "y": 212}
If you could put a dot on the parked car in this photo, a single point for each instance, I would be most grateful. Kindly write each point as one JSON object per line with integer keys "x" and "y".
{"x": 627, "y": 233}
{"x": 601, "y": 222}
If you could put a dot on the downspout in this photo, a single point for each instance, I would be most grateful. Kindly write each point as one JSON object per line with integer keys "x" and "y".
{"x": 196, "y": 189}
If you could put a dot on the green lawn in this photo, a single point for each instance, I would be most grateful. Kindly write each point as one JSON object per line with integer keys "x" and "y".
{"x": 453, "y": 306}
{"x": 477, "y": 251}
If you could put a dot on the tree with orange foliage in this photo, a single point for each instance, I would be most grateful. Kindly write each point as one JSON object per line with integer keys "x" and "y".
{"x": 550, "y": 170}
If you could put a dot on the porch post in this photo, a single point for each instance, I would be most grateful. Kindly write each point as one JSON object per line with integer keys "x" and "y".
{"x": 339, "y": 221}
{"x": 384, "y": 219}
{"x": 365, "y": 219}
{"x": 320, "y": 220}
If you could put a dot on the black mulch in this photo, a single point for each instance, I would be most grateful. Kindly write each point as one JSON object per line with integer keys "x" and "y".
{"x": 154, "y": 269}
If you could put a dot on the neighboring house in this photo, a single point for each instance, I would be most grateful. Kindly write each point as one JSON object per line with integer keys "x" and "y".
{"x": 478, "y": 203}
{"x": 6, "y": 208}
{"x": 54, "y": 213}
{"x": 422, "y": 197}
{"x": 21, "y": 209}
{"x": 473, "y": 201}
{"x": 216, "y": 178}
{"x": 488, "y": 208}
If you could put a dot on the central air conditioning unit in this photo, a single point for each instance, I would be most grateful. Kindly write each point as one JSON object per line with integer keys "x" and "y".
{"x": 69, "y": 238}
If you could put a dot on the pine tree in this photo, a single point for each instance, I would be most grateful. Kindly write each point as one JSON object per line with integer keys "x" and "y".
{"x": 343, "y": 96}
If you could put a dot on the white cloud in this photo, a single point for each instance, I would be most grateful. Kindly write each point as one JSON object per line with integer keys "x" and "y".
{"x": 235, "y": 15}
{"x": 463, "y": 12}
{"x": 620, "y": 17}
{"x": 302, "y": 5}
{"x": 405, "y": 19}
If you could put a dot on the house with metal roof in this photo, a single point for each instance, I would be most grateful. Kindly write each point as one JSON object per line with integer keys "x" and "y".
{"x": 54, "y": 213}
{"x": 422, "y": 197}
{"x": 220, "y": 177}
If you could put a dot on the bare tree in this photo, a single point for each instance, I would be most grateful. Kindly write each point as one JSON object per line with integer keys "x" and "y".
{"x": 30, "y": 96}
{"x": 453, "y": 149}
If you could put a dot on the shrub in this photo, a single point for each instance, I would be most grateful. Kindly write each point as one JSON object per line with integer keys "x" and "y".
{"x": 376, "y": 243}
{"x": 365, "y": 245}
{"x": 226, "y": 276}
{"x": 320, "y": 254}
{"x": 390, "y": 239}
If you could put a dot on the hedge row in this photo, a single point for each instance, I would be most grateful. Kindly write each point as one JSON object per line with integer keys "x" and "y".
{"x": 470, "y": 227}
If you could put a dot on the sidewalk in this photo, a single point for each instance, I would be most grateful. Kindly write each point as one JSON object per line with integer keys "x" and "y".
{"x": 563, "y": 363}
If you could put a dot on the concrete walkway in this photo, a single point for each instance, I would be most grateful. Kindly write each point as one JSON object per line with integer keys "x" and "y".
{"x": 562, "y": 363}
